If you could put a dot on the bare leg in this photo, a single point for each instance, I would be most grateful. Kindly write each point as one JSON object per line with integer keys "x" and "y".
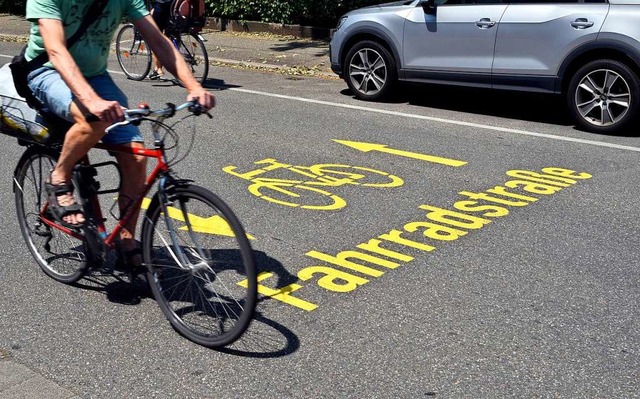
{"x": 134, "y": 169}
{"x": 80, "y": 138}
{"x": 157, "y": 66}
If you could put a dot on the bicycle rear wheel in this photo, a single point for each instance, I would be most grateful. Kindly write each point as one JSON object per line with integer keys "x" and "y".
{"x": 207, "y": 286}
{"x": 59, "y": 255}
{"x": 134, "y": 56}
{"x": 195, "y": 54}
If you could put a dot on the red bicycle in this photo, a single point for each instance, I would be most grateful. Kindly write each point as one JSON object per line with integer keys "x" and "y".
{"x": 198, "y": 261}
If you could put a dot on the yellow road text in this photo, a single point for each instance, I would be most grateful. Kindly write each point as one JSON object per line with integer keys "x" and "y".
{"x": 350, "y": 269}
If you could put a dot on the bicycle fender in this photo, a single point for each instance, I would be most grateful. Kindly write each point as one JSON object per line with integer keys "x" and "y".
{"x": 27, "y": 154}
{"x": 173, "y": 184}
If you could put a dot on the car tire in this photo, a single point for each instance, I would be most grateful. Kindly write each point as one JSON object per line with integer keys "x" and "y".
{"x": 370, "y": 71}
{"x": 604, "y": 96}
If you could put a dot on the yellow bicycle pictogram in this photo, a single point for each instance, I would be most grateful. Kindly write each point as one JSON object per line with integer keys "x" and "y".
{"x": 304, "y": 190}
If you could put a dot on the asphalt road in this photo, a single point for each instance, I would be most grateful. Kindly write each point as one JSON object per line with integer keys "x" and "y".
{"x": 533, "y": 296}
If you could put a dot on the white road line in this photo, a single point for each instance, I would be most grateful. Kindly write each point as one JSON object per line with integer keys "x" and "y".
{"x": 423, "y": 117}
{"x": 442, "y": 120}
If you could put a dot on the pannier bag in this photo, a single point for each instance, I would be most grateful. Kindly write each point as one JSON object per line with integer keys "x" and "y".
{"x": 17, "y": 118}
{"x": 188, "y": 15}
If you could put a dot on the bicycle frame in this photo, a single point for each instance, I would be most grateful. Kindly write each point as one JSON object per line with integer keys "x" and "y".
{"x": 109, "y": 239}
{"x": 182, "y": 234}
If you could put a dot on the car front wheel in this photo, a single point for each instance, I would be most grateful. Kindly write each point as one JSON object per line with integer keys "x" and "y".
{"x": 603, "y": 96}
{"x": 370, "y": 70}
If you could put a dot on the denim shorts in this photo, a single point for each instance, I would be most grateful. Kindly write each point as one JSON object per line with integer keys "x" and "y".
{"x": 47, "y": 85}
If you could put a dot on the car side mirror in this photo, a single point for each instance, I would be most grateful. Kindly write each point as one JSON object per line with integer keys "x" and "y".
{"x": 429, "y": 6}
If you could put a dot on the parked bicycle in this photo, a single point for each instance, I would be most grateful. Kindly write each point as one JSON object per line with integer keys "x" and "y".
{"x": 135, "y": 59}
{"x": 302, "y": 190}
{"x": 192, "y": 268}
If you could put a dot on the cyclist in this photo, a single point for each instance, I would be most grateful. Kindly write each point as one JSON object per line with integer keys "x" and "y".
{"x": 161, "y": 14}
{"x": 75, "y": 86}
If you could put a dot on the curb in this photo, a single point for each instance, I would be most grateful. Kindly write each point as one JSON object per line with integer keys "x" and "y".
{"x": 289, "y": 70}
{"x": 18, "y": 381}
{"x": 299, "y": 31}
{"x": 224, "y": 62}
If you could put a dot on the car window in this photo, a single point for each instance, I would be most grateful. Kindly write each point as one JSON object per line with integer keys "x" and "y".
{"x": 463, "y": 2}
{"x": 555, "y": 1}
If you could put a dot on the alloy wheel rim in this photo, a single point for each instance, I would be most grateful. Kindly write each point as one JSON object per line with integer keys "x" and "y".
{"x": 603, "y": 97}
{"x": 368, "y": 71}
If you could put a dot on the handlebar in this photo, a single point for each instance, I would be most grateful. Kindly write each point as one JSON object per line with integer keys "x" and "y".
{"x": 136, "y": 115}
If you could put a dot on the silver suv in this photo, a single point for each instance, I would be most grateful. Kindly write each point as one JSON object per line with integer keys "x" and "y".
{"x": 586, "y": 50}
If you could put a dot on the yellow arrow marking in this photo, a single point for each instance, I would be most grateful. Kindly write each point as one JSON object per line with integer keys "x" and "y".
{"x": 211, "y": 225}
{"x": 366, "y": 147}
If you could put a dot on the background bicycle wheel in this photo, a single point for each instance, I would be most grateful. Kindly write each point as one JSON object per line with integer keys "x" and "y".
{"x": 192, "y": 48}
{"x": 134, "y": 56}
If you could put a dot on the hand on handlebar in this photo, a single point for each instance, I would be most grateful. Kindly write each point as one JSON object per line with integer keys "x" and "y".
{"x": 136, "y": 115}
{"x": 103, "y": 110}
{"x": 204, "y": 97}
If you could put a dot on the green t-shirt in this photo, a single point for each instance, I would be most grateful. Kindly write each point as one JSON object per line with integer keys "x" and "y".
{"x": 92, "y": 50}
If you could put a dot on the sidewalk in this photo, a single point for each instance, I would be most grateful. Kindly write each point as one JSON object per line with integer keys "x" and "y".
{"x": 19, "y": 382}
{"x": 265, "y": 51}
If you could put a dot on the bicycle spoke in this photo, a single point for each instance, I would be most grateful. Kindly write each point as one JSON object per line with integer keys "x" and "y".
{"x": 132, "y": 53}
{"x": 58, "y": 254}
{"x": 195, "y": 272}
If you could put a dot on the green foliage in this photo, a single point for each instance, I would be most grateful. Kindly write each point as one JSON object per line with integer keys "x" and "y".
{"x": 322, "y": 13}
{"x": 16, "y": 7}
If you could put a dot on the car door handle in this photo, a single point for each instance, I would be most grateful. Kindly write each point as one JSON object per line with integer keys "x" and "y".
{"x": 582, "y": 23}
{"x": 485, "y": 23}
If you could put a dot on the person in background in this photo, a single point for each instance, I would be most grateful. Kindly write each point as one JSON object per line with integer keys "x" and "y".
{"x": 161, "y": 14}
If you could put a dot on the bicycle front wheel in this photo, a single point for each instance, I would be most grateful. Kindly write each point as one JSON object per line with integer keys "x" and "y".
{"x": 204, "y": 278}
{"x": 134, "y": 56}
{"x": 195, "y": 54}
{"x": 60, "y": 255}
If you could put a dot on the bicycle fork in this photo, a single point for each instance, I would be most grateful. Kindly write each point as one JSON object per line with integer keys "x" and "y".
{"x": 167, "y": 199}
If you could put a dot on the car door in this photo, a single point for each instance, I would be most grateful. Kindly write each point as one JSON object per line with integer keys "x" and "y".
{"x": 535, "y": 36}
{"x": 458, "y": 37}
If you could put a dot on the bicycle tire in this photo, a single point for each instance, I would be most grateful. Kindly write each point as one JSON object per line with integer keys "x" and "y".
{"x": 195, "y": 55}
{"x": 201, "y": 295}
{"x": 61, "y": 256}
{"x": 134, "y": 56}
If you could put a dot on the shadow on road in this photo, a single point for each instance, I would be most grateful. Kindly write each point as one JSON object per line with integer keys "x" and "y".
{"x": 298, "y": 45}
{"x": 210, "y": 83}
{"x": 532, "y": 107}
{"x": 524, "y": 106}
{"x": 265, "y": 338}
